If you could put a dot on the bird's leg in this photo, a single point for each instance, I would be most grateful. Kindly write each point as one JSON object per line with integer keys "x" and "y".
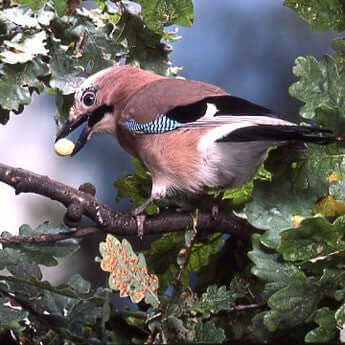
{"x": 140, "y": 209}
{"x": 217, "y": 203}
{"x": 140, "y": 216}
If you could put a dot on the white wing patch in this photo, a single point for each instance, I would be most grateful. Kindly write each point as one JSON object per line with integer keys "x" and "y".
{"x": 222, "y": 126}
{"x": 219, "y": 132}
{"x": 231, "y": 164}
{"x": 210, "y": 111}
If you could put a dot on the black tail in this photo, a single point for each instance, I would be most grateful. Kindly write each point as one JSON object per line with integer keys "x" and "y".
{"x": 281, "y": 133}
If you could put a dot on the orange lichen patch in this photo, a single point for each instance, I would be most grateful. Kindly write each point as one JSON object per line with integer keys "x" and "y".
{"x": 128, "y": 271}
{"x": 334, "y": 177}
{"x": 139, "y": 296}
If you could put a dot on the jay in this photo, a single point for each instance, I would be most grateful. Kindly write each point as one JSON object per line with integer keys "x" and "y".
{"x": 190, "y": 135}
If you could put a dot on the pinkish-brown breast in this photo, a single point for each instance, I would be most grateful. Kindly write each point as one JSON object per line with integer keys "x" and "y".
{"x": 173, "y": 158}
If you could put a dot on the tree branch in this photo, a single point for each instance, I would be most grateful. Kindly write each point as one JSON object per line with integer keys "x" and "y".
{"x": 51, "y": 238}
{"x": 110, "y": 221}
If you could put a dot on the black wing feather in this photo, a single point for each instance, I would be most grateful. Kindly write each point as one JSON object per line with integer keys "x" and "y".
{"x": 227, "y": 105}
{"x": 278, "y": 133}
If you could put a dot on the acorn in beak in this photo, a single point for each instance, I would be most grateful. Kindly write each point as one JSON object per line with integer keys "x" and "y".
{"x": 91, "y": 118}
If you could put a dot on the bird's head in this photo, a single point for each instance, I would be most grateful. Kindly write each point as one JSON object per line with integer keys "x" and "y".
{"x": 99, "y": 100}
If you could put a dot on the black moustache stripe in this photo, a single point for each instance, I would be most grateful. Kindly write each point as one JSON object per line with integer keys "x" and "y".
{"x": 98, "y": 114}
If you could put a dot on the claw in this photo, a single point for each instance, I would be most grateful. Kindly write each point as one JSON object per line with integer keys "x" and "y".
{"x": 140, "y": 216}
{"x": 140, "y": 220}
{"x": 217, "y": 205}
{"x": 215, "y": 211}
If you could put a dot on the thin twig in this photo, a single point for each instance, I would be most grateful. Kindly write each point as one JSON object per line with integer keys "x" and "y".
{"x": 182, "y": 258}
{"x": 244, "y": 307}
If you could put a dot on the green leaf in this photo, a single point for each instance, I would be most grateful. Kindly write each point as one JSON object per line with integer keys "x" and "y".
{"x": 157, "y": 14}
{"x": 19, "y": 263}
{"x": 46, "y": 14}
{"x": 299, "y": 181}
{"x": 10, "y": 318}
{"x": 267, "y": 265}
{"x": 338, "y": 45}
{"x": 178, "y": 326}
{"x": 243, "y": 194}
{"x": 65, "y": 69}
{"x": 337, "y": 185}
{"x": 79, "y": 284}
{"x": 239, "y": 195}
{"x": 24, "y": 48}
{"x": 22, "y": 260}
{"x": 21, "y": 16}
{"x": 208, "y": 333}
{"x": 340, "y": 315}
{"x": 85, "y": 313}
{"x": 302, "y": 180}
{"x": 45, "y": 254}
{"x": 260, "y": 332}
{"x": 61, "y": 6}
{"x": 15, "y": 83}
{"x": 292, "y": 304}
{"x": 315, "y": 237}
{"x": 136, "y": 187}
{"x": 139, "y": 169}
{"x": 145, "y": 47}
{"x": 33, "y": 287}
{"x": 216, "y": 299}
{"x": 320, "y": 14}
{"x": 33, "y": 4}
{"x": 128, "y": 272}
{"x": 201, "y": 252}
{"x": 168, "y": 247}
{"x": 74, "y": 317}
{"x": 97, "y": 48}
{"x": 324, "y": 317}
{"x": 321, "y": 88}
{"x": 64, "y": 104}
{"x": 13, "y": 94}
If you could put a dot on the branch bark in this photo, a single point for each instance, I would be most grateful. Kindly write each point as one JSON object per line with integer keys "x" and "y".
{"x": 110, "y": 221}
{"x": 51, "y": 238}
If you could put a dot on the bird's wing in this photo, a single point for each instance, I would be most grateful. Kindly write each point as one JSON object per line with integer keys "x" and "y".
{"x": 166, "y": 104}
{"x": 170, "y": 104}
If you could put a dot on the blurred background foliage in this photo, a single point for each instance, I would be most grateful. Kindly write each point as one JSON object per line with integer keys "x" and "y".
{"x": 289, "y": 277}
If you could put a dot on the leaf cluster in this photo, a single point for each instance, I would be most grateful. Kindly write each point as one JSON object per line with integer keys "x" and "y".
{"x": 50, "y": 46}
{"x": 191, "y": 287}
{"x": 297, "y": 259}
{"x": 36, "y": 310}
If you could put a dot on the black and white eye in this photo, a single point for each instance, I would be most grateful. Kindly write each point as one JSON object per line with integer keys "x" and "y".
{"x": 89, "y": 98}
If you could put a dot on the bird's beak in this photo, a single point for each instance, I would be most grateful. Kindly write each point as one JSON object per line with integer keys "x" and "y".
{"x": 91, "y": 118}
{"x": 70, "y": 126}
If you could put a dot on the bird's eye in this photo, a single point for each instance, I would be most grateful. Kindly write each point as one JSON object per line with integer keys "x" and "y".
{"x": 89, "y": 98}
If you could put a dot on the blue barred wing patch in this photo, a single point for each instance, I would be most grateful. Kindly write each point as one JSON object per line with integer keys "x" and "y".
{"x": 161, "y": 125}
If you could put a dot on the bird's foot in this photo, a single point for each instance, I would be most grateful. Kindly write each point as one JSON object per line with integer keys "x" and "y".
{"x": 140, "y": 217}
{"x": 139, "y": 210}
{"x": 215, "y": 211}
{"x": 140, "y": 220}
{"x": 217, "y": 205}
